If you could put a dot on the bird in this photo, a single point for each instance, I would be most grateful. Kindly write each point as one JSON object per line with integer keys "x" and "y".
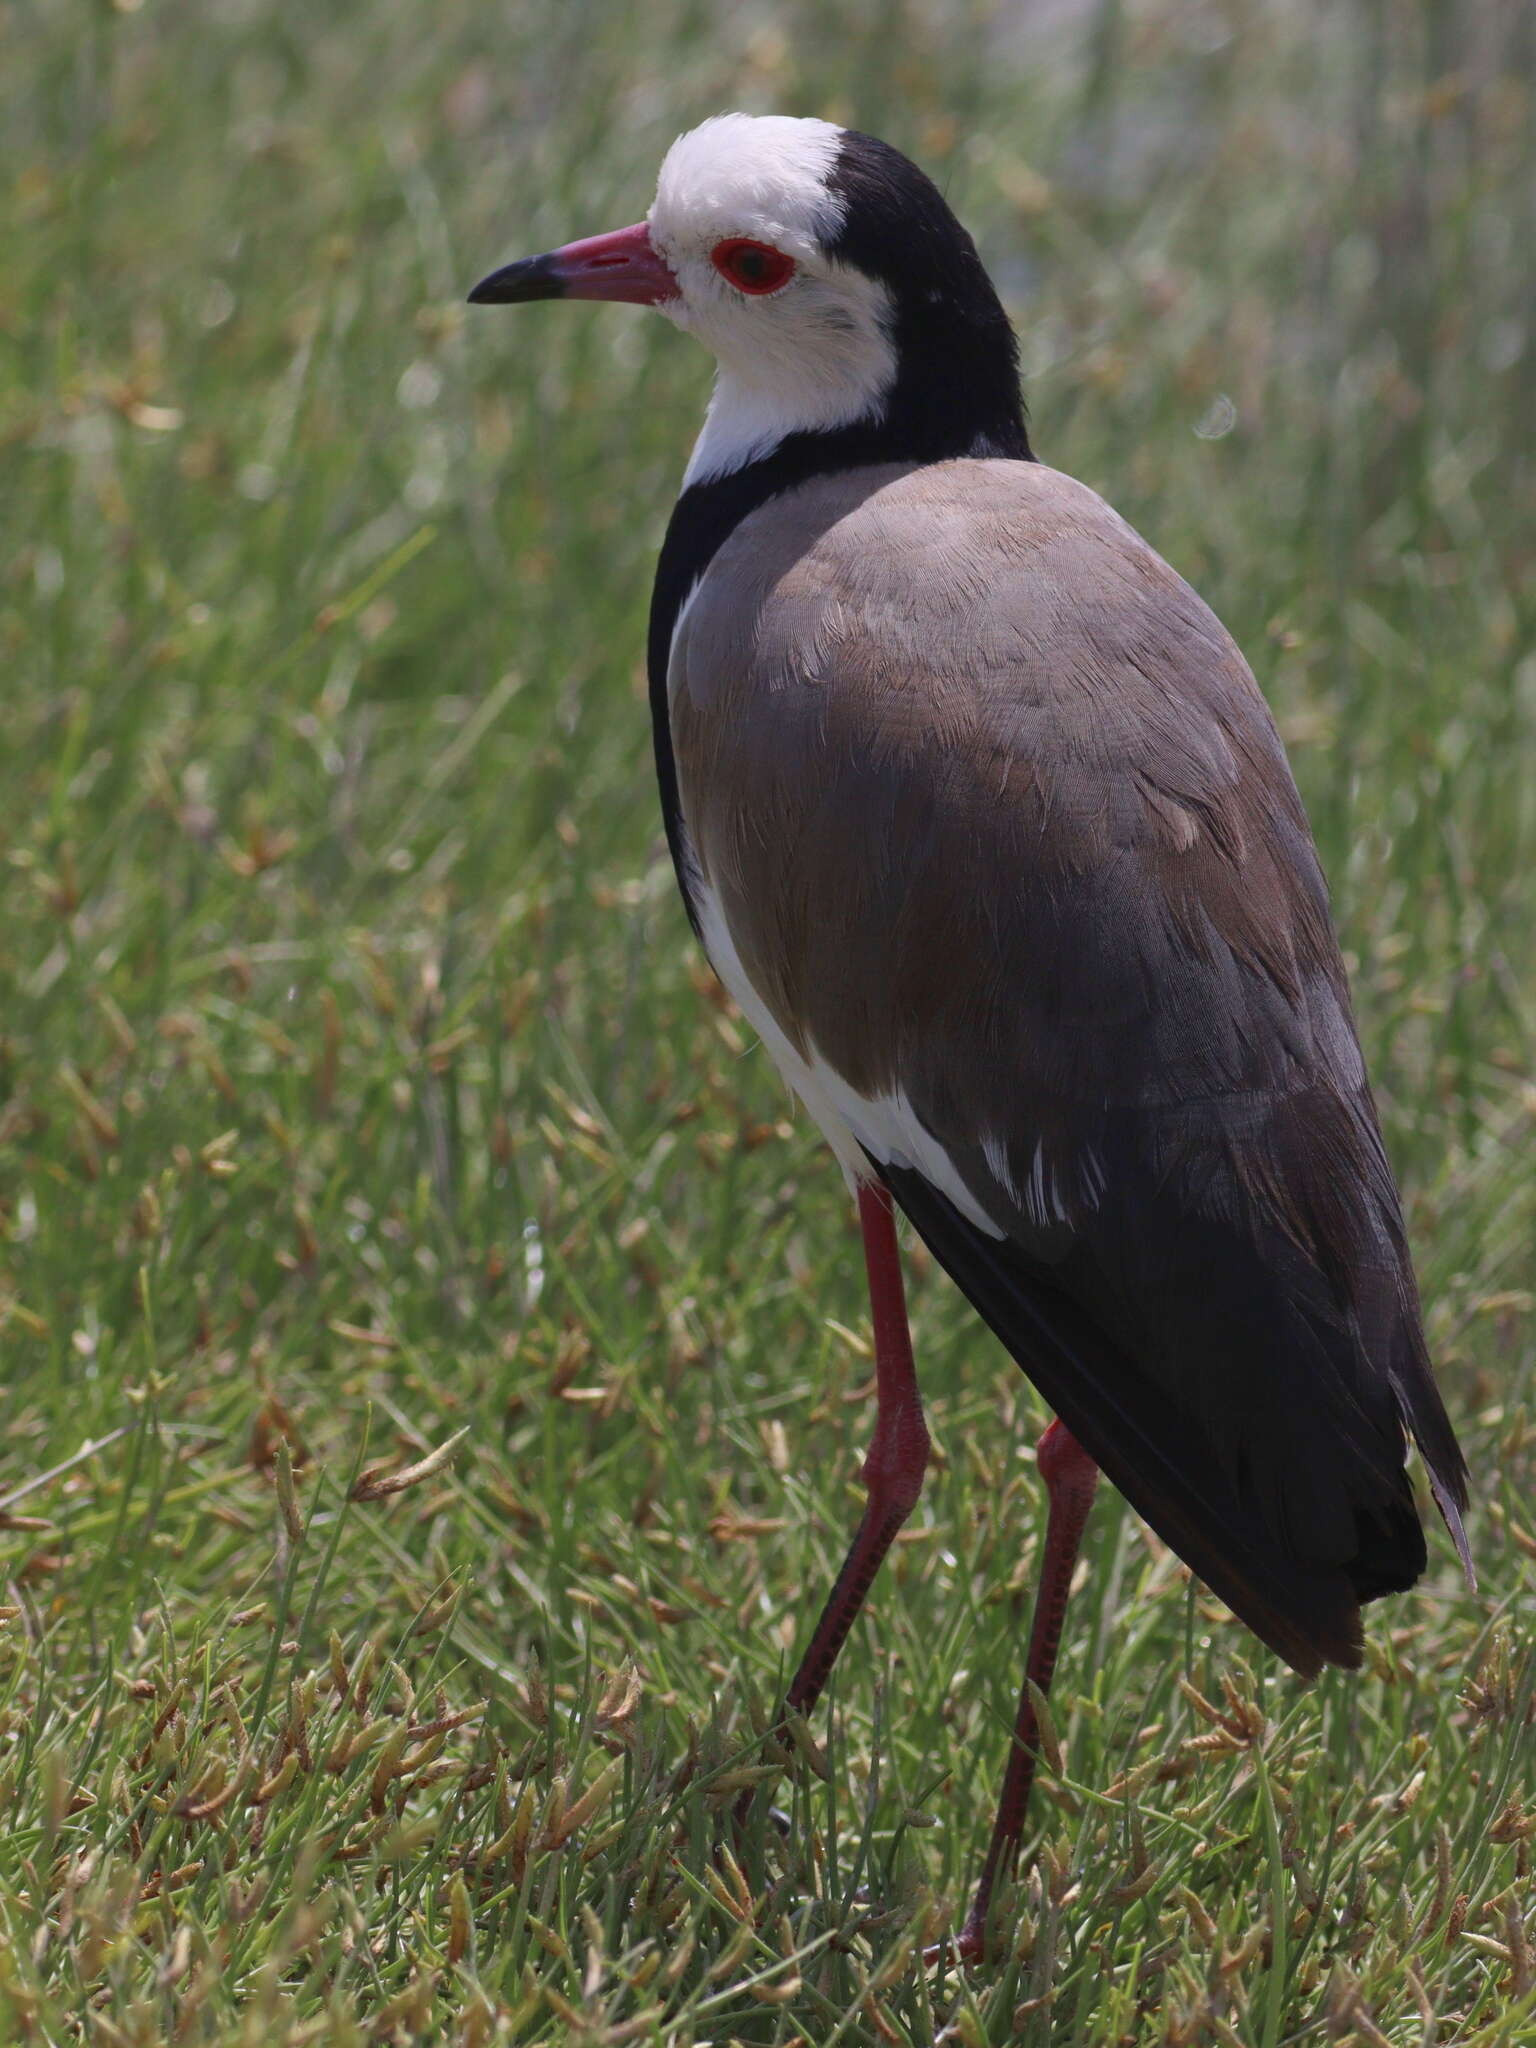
{"x": 982, "y": 820}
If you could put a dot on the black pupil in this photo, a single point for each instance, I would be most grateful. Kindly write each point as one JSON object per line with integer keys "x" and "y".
{"x": 752, "y": 264}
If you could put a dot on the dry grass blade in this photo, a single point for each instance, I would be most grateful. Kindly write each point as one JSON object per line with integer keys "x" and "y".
{"x": 377, "y": 1482}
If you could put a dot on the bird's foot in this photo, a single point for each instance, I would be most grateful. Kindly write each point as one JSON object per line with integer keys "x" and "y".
{"x": 968, "y": 1946}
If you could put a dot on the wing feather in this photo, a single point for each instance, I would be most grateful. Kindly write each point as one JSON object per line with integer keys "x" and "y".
{"x": 1001, "y": 827}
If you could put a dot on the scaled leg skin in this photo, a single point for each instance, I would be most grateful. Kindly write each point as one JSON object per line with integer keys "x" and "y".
{"x": 1070, "y": 1476}
{"x": 898, "y": 1456}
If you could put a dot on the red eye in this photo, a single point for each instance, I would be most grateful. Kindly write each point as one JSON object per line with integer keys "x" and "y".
{"x": 752, "y": 266}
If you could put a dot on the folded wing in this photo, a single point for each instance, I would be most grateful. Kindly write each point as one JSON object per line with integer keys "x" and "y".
{"x": 997, "y": 830}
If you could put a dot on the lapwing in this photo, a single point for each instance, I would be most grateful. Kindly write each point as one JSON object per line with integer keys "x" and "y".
{"x": 981, "y": 818}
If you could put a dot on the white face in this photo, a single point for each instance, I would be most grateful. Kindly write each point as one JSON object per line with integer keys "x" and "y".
{"x": 742, "y": 216}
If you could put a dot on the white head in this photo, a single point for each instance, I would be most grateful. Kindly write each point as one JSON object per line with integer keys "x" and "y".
{"x": 744, "y": 217}
{"x": 829, "y": 279}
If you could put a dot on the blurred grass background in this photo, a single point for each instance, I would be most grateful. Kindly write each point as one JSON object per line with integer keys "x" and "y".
{"x": 360, "y": 1087}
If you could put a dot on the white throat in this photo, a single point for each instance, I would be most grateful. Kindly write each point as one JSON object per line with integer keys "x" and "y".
{"x": 814, "y": 356}
{"x": 813, "y": 391}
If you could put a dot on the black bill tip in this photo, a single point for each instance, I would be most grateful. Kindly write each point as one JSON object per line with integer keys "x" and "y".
{"x": 536, "y": 277}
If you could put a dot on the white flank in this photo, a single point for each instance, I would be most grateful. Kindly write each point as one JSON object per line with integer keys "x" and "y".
{"x": 995, "y": 1152}
{"x": 1042, "y": 1200}
{"x": 885, "y": 1127}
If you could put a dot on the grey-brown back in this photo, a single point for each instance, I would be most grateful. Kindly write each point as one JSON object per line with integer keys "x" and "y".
{"x": 1002, "y": 832}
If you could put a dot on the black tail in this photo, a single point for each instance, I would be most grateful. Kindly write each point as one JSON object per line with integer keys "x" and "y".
{"x": 1291, "y": 1521}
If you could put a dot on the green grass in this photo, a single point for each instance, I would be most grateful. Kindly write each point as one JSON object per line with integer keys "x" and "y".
{"x": 360, "y": 1088}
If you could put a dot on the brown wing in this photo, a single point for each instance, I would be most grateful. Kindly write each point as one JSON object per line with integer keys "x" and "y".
{"x": 999, "y": 823}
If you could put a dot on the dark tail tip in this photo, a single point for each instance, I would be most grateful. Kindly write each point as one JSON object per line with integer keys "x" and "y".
{"x": 1450, "y": 1511}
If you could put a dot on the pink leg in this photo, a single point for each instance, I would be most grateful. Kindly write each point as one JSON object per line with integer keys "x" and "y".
{"x": 1070, "y": 1476}
{"x": 898, "y": 1456}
